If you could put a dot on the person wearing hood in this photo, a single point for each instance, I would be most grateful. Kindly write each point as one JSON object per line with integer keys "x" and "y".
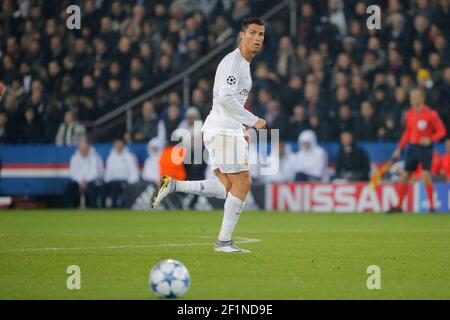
{"x": 151, "y": 171}
{"x": 86, "y": 170}
{"x": 121, "y": 172}
{"x": 352, "y": 162}
{"x": 187, "y": 128}
{"x": 310, "y": 162}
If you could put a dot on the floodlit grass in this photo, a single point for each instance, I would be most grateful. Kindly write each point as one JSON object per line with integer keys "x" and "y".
{"x": 299, "y": 256}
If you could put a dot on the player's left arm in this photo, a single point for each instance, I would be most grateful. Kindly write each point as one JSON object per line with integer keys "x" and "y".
{"x": 438, "y": 127}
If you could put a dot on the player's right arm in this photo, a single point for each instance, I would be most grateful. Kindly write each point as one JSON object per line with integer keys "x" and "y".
{"x": 227, "y": 92}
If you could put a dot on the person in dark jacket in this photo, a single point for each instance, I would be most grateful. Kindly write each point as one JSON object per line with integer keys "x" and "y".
{"x": 352, "y": 162}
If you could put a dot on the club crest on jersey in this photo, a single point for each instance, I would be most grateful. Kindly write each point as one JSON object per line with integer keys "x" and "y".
{"x": 231, "y": 80}
{"x": 421, "y": 124}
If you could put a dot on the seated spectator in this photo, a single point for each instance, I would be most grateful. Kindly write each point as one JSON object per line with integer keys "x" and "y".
{"x": 292, "y": 94}
{"x": 320, "y": 128}
{"x": 367, "y": 125}
{"x": 171, "y": 162}
{"x": 151, "y": 170}
{"x": 297, "y": 123}
{"x": 191, "y": 135}
{"x": 192, "y": 115}
{"x": 86, "y": 170}
{"x": 4, "y": 135}
{"x": 352, "y": 162}
{"x": 121, "y": 172}
{"x": 445, "y": 161}
{"x": 146, "y": 127}
{"x": 310, "y": 162}
{"x": 70, "y": 132}
{"x": 389, "y": 132}
{"x": 32, "y": 130}
{"x": 344, "y": 121}
{"x": 168, "y": 126}
{"x": 275, "y": 118}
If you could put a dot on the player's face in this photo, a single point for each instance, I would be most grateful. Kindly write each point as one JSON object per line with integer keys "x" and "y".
{"x": 416, "y": 98}
{"x": 253, "y": 38}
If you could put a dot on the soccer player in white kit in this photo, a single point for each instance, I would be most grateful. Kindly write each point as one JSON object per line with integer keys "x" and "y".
{"x": 224, "y": 138}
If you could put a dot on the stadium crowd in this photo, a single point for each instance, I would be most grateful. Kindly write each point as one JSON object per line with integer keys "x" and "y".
{"x": 336, "y": 79}
{"x": 334, "y": 75}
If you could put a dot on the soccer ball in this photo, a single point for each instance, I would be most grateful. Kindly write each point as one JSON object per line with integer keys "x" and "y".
{"x": 169, "y": 279}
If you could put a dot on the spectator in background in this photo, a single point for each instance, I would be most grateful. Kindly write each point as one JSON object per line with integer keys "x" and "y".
{"x": 321, "y": 129}
{"x": 276, "y": 119}
{"x": 32, "y": 130}
{"x": 14, "y": 117}
{"x": 70, "y": 132}
{"x": 310, "y": 162}
{"x": 367, "y": 125}
{"x": 192, "y": 115}
{"x": 336, "y": 15}
{"x": 292, "y": 94}
{"x": 389, "y": 132}
{"x": 4, "y": 135}
{"x": 151, "y": 170}
{"x": 122, "y": 38}
{"x": 285, "y": 57}
{"x": 313, "y": 101}
{"x": 86, "y": 170}
{"x": 168, "y": 126}
{"x": 199, "y": 102}
{"x": 297, "y": 123}
{"x": 146, "y": 127}
{"x": 352, "y": 162}
{"x": 344, "y": 121}
{"x": 192, "y": 142}
{"x": 121, "y": 172}
{"x": 115, "y": 96}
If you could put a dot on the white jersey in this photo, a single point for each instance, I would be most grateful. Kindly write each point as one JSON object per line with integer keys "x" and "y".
{"x": 232, "y": 85}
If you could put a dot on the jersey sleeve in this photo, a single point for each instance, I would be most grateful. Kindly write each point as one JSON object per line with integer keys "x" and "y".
{"x": 406, "y": 133}
{"x": 228, "y": 85}
{"x": 438, "y": 128}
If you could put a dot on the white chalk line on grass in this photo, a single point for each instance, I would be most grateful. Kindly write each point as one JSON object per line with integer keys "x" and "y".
{"x": 144, "y": 246}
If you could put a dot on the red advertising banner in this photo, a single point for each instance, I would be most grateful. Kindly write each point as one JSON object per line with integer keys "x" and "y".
{"x": 336, "y": 197}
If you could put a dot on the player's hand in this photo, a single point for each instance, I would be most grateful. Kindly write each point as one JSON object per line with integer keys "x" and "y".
{"x": 397, "y": 153}
{"x": 260, "y": 124}
{"x": 425, "y": 142}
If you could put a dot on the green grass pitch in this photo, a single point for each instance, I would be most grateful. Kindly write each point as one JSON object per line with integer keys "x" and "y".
{"x": 299, "y": 256}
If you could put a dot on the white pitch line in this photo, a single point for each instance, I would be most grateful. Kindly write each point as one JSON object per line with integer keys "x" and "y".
{"x": 238, "y": 240}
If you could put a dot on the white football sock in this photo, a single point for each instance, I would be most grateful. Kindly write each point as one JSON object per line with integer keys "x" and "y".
{"x": 232, "y": 210}
{"x": 207, "y": 188}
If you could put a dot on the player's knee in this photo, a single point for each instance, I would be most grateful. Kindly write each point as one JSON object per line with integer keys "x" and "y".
{"x": 246, "y": 183}
{"x": 427, "y": 177}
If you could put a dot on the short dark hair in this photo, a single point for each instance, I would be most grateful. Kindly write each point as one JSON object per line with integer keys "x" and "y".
{"x": 252, "y": 20}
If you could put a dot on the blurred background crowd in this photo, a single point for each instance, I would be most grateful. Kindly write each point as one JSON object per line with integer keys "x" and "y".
{"x": 335, "y": 68}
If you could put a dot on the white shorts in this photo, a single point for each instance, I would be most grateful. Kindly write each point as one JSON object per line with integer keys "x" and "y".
{"x": 227, "y": 153}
